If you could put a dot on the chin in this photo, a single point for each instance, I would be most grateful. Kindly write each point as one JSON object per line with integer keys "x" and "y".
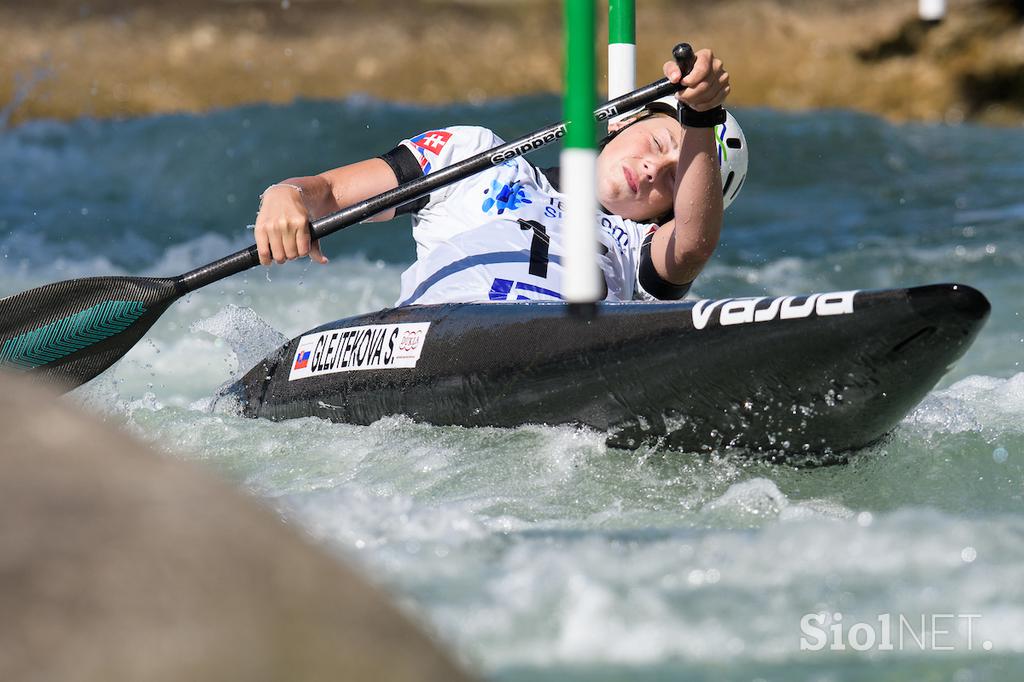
{"x": 629, "y": 214}
{"x": 606, "y": 194}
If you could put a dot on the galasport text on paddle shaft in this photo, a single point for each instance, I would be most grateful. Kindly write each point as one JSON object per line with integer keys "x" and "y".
{"x": 71, "y": 331}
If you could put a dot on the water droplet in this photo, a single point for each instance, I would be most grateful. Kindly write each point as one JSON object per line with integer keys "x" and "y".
{"x": 968, "y": 554}
{"x": 1000, "y": 455}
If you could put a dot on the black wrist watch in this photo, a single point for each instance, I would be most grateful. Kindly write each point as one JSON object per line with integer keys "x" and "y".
{"x": 691, "y": 118}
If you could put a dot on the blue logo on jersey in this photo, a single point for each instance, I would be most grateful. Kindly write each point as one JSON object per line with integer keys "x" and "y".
{"x": 504, "y": 197}
{"x": 508, "y": 290}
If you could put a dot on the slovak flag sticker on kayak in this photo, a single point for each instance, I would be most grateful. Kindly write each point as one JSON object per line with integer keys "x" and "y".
{"x": 350, "y": 349}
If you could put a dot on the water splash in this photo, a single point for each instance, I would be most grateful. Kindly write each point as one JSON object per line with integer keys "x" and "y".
{"x": 250, "y": 337}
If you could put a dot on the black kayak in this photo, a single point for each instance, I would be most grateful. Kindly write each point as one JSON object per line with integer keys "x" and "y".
{"x": 816, "y": 374}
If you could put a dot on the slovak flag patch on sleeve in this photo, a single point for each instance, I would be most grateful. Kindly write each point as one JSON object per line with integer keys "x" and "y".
{"x": 430, "y": 142}
{"x": 302, "y": 359}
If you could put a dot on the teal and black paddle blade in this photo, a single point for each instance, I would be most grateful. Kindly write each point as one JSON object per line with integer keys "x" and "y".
{"x": 71, "y": 331}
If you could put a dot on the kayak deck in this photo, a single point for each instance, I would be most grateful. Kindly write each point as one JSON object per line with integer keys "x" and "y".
{"x": 796, "y": 375}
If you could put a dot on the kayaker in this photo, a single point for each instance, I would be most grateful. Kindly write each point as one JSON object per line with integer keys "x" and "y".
{"x": 496, "y": 236}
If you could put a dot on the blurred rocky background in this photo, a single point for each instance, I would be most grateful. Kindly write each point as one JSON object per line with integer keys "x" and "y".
{"x": 69, "y": 58}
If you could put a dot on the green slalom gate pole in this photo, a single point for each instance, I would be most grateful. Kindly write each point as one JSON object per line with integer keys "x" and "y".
{"x": 621, "y": 47}
{"x": 579, "y": 156}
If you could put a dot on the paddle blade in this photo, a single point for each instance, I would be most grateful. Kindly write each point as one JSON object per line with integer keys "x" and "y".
{"x": 69, "y": 332}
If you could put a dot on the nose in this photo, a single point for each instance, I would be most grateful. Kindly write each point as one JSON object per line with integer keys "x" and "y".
{"x": 655, "y": 167}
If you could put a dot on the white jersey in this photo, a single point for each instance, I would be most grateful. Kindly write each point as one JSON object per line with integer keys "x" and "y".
{"x": 497, "y": 236}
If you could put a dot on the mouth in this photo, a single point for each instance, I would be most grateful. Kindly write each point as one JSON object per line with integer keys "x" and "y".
{"x": 630, "y": 176}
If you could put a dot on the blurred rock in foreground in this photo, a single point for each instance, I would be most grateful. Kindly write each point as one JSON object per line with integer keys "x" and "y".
{"x": 120, "y": 564}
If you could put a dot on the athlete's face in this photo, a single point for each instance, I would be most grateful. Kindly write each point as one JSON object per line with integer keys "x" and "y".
{"x": 636, "y": 170}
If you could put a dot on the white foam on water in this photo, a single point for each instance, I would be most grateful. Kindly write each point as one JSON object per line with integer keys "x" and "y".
{"x": 780, "y": 277}
{"x": 980, "y": 404}
{"x": 757, "y": 500}
{"x": 179, "y": 258}
{"x": 539, "y": 546}
{"x": 706, "y": 597}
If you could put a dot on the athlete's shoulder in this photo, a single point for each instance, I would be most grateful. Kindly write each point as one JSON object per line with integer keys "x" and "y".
{"x": 474, "y": 134}
{"x": 453, "y": 142}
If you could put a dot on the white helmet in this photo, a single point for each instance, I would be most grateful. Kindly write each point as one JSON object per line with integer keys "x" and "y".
{"x": 732, "y": 157}
{"x": 732, "y": 149}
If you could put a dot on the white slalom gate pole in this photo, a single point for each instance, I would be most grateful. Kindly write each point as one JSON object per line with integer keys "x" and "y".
{"x": 621, "y": 48}
{"x": 582, "y": 285}
{"x": 931, "y": 11}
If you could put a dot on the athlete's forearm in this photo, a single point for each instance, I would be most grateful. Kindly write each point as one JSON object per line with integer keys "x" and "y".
{"x": 356, "y": 182}
{"x": 286, "y": 207}
{"x": 698, "y": 208}
{"x": 315, "y": 193}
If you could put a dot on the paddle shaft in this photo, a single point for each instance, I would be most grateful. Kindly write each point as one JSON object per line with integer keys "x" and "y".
{"x": 249, "y": 257}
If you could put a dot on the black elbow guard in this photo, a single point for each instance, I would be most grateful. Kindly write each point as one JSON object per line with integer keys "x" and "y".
{"x": 406, "y": 169}
{"x": 652, "y": 282}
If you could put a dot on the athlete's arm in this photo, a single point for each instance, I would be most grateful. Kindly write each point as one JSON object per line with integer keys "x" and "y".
{"x": 682, "y": 247}
{"x": 287, "y": 207}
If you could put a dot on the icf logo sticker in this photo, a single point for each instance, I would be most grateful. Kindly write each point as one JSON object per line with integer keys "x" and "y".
{"x": 410, "y": 340}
